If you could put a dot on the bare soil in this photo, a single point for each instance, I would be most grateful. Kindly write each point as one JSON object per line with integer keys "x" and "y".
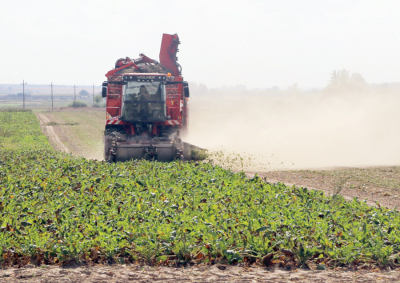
{"x": 75, "y": 130}
{"x": 375, "y": 184}
{"x": 55, "y": 138}
{"x": 196, "y": 273}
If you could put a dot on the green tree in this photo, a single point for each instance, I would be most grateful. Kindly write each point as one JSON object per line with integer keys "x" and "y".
{"x": 77, "y": 104}
{"x": 83, "y": 92}
{"x": 98, "y": 98}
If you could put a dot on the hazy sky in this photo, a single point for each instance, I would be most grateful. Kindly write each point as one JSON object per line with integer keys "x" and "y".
{"x": 256, "y": 43}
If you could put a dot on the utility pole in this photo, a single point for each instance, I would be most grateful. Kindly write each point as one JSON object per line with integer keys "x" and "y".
{"x": 23, "y": 94}
{"x": 93, "y": 93}
{"x": 51, "y": 96}
{"x": 74, "y": 95}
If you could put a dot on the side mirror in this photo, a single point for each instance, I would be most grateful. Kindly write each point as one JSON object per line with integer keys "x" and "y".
{"x": 104, "y": 89}
{"x": 186, "y": 89}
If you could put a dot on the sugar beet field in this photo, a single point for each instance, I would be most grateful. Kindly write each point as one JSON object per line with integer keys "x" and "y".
{"x": 56, "y": 208}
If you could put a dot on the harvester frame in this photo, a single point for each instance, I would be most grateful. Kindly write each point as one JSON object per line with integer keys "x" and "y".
{"x": 147, "y": 107}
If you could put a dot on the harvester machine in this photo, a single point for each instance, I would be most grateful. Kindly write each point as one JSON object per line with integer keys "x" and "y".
{"x": 147, "y": 108}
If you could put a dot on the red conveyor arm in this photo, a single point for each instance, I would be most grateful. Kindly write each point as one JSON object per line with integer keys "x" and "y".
{"x": 169, "y": 48}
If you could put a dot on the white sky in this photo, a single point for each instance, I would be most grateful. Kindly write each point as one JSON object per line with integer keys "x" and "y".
{"x": 256, "y": 43}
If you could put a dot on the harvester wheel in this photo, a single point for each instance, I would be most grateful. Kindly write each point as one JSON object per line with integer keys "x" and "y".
{"x": 110, "y": 141}
{"x": 106, "y": 148}
{"x": 111, "y": 158}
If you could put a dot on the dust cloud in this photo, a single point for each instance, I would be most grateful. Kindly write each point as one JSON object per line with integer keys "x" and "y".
{"x": 298, "y": 131}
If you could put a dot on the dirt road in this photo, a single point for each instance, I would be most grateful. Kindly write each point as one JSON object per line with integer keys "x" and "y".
{"x": 51, "y": 134}
{"x": 75, "y": 131}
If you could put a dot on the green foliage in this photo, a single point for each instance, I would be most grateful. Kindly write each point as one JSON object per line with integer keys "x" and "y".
{"x": 98, "y": 98}
{"x": 55, "y": 207}
{"x": 198, "y": 154}
{"x": 100, "y": 104}
{"x": 15, "y": 110}
{"x": 77, "y": 104}
{"x": 83, "y": 92}
{"x": 21, "y": 129}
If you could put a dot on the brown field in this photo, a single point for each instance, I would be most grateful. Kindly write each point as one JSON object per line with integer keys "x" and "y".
{"x": 376, "y": 184}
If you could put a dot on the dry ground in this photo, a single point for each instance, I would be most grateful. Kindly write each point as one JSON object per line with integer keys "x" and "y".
{"x": 376, "y": 184}
{"x": 75, "y": 130}
{"x": 197, "y": 273}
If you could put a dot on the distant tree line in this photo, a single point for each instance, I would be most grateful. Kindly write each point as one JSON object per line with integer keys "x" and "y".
{"x": 343, "y": 80}
{"x": 198, "y": 88}
{"x": 340, "y": 81}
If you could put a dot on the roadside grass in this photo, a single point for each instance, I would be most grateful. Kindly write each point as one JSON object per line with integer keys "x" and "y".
{"x": 35, "y": 104}
{"x": 52, "y": 123}
{"x": 90, "y": 126}
{"x": 15, "y": 109}
{"x": 10, "y": 105}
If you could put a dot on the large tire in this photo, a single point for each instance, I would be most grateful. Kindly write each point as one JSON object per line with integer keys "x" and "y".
{"x": 110, "y": 139}
{"x": 107, "y": 154}
{"x": 106, "y": 147}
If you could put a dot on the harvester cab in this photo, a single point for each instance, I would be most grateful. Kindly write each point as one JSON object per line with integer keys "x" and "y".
{"x": 144, "y": 98}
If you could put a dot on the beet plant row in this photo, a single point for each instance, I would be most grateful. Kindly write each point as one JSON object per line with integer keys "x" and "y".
{"x": 55, "y": 208}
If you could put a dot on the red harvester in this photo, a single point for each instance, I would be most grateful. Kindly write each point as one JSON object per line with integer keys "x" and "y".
{"x": 147, "y": 108}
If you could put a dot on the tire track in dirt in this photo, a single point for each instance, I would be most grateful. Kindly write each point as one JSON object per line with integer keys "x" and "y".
{"x": 50, "y": 133}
